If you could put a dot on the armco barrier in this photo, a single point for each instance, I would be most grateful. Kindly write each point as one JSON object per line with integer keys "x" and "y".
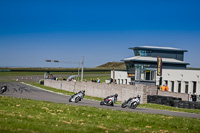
{"x": 103, "y": 90}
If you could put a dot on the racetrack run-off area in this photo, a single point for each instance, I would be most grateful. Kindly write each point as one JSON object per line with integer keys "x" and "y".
{"x": 20, "y": 90}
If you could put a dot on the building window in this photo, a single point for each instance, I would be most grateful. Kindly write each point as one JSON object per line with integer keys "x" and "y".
{"x": 179, "y": 86}
{"x": 153, "y": 75}
{"x": 122, "y": 81}
{"x": 118, "y": 81}
{"x": 172, "y": 86}
{"x": 126, "y": 81}
{"x": 186, "y": 87}
{"x": 194, "y": 87}
{"x": 142, "y": 52}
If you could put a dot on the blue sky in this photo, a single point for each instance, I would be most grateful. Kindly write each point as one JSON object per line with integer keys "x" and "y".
{"x": 100, "y": 30}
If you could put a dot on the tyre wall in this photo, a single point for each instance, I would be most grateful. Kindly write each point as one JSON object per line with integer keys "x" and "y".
{"x": 172, "y": 101}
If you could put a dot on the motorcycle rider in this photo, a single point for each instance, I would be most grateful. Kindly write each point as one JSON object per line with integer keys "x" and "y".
{"x": 115, "y": 97}
{"x": 4, "y": 88}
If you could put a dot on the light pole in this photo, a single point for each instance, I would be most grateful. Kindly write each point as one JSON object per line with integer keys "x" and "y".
{"x": 74, "y": 62}
{"x": 82, "y": 69}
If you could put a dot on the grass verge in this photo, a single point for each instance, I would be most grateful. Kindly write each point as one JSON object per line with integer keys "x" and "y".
{"x": 23, "y": 115}
{"x": 169, "y": 108}
{"x": 149, "y": 105}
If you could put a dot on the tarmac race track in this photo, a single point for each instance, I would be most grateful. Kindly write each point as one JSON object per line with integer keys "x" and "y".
{"x": 20, "y": 90}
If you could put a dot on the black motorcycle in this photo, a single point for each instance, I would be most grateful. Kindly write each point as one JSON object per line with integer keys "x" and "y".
{"x": 3, "y": 89}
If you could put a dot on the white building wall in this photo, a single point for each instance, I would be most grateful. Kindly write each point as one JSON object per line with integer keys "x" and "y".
{"x": 168, "y": 75}
{"x": 121, "y": 77}
{"x": 182, "y": 76}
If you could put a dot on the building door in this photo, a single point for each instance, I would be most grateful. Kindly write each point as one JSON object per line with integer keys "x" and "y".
{"x": 194, "y": 87}
{"x": 148, "y": 75}
{"x": 172, "y": 86}
{"x": 186, "y": 87}
{"x": 166, "y": 82}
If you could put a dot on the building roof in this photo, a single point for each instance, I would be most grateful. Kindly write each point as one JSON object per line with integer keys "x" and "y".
{"x": 158, "y": 48}
{"x": 154, "y": 59}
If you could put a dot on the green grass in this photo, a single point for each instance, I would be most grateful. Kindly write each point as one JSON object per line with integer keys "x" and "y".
{"x": 149, "y": 105}
{"x": 7, "y": 74}
{"x": 23, "y": 115}
{"x": 7, "y": 80}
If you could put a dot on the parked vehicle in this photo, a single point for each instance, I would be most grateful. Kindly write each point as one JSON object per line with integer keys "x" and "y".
{"x": 110, "y": 100}
{"x": 131, "y": 102}
{"x": 3, "y": 89}
{"x": 77, "y": 96}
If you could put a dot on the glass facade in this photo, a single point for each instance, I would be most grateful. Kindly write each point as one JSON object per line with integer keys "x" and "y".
{"x": 146, "y": 70}
{"x": 164, "y": 54}
{"x": 141, "y": 71}
{"x": 142, "y": 52}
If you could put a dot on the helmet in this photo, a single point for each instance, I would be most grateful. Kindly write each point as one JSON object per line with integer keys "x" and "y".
{"x": 116, "y": 95}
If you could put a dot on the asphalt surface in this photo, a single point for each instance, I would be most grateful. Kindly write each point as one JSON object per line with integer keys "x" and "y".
{"x": 19, "y": 90}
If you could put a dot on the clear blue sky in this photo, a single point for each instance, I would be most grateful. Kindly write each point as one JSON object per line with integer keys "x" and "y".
{"x": 100, "y": 30}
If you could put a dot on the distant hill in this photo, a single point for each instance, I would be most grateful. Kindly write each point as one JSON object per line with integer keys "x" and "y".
{"x": 111, "y": 65}
{"x": 193, "y": 68}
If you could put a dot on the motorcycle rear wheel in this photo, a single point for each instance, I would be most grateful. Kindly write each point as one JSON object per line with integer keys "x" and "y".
{"x": 70, "y": 100}
{"x": 1, "y": 91}
{"x": 101, "y": 103}
{"x": 123, "y": 105}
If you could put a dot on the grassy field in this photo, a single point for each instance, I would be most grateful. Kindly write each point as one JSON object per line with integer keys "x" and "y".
{"x": 149, "y": 105}
{"x": 30, "y": 116}
{"x": 6, "y": 74}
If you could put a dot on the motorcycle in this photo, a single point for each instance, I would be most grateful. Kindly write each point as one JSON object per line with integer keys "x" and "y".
{"x": 131, "y": 102}
{"x": 77, "y": 96}
{"x": 3, "y": 89}
{"x": 110, "y": 100}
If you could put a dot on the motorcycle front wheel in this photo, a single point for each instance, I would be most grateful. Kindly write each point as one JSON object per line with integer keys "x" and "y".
{"x": 110, "y": 103}
{"x": 133, "y": 105}
{"x": 77, "y": 99}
